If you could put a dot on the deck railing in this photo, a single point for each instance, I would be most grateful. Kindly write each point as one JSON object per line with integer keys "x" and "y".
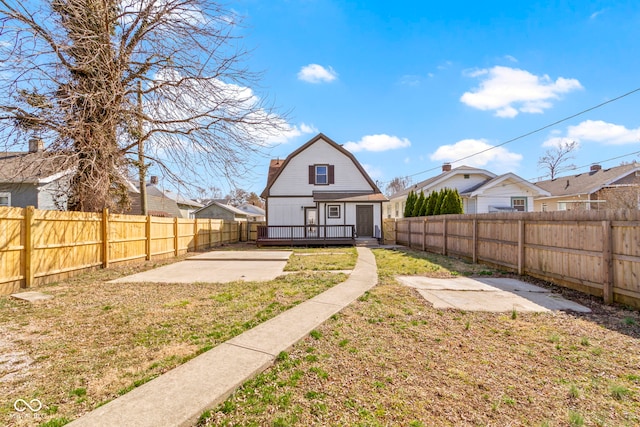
{"x": 306, "y": 233}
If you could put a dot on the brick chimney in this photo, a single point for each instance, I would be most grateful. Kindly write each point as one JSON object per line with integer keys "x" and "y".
{"x": 446, "y": 167}
{"x": 595, "y": 168}
{"x": 154, "y": 180}
{"x": 36, "y": 145}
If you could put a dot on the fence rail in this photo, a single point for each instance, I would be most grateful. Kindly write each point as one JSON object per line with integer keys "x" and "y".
{"x": 597, "y": 252}
{"x": 39, "y": 247}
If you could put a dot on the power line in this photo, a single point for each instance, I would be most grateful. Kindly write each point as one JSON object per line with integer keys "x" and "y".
{"x": 534, "y": 131}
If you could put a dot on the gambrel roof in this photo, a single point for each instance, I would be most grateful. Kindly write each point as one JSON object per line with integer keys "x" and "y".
{"x": 276, "y": 166}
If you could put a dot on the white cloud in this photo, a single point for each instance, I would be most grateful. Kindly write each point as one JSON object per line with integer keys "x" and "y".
{"x": 510, "y": 58}
{"x": 500, "y": 159}
{"x": 510, "y": 91}
{"x": 597, "y": 13}
{"x": 290, "y": 132}
{"x": 607, "y": 133}
{"x": 314, "y": 73}
{"x": 595, "y": 131}
{"x": 379, "y": 142}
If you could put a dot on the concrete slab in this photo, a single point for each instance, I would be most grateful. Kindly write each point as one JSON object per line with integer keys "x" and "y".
{"x": 32, "y": 296}
{"x": 217, "y": 267}
{"x": 488, "y": 294}
{"x": 244, "y": 256}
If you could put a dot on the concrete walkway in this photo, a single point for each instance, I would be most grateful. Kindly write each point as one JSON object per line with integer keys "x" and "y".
{"x": 180, "y": 396}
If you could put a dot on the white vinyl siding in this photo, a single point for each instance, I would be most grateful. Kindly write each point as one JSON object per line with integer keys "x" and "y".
{"x": 294, "y": 180}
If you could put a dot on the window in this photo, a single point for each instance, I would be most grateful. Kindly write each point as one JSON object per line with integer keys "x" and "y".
{"x": 334, "y": 211}
{"x": 5, "y": 199}
{"x": 466, "y": 176}
{"x": 544, "y": 207}
{"x": 519, "y": 203}
{"x": 321, "y": 174}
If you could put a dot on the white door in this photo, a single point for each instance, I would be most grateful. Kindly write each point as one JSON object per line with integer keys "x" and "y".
{"x": 311, "y": 219}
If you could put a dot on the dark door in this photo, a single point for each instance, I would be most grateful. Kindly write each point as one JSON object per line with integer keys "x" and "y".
{"x": 364, "y": 220}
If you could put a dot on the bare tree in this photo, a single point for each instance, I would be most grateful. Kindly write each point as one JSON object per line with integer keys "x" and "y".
{"x": 555, "y": 159}
{"x": 621, "y": 196}
{"x": 70, "y": 70}
{"x": 397, "y": 184}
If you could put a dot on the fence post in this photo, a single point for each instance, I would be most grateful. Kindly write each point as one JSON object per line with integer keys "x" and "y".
{"x": 105, "y": 238}
{"x": 424, "y": 235}
{"x": 210, "y": 233}
{"x": 28, "y": 246}
{"x": 444, "y": 236}
{"x": 195, "y": 234}
{"x": 147, "y": 243}
{"x": 474, "y": 250}
{"x": 607, "y": 262}
{"x": 521, "y": 247}
{"x": 176, "y": 239}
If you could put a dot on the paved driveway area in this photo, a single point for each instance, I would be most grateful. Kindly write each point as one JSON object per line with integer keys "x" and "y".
{"x": 488, "y": 294}
{"x": 217, "y": 267}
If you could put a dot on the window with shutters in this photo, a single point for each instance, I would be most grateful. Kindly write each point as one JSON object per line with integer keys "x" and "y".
{"x": 321, "y": 174}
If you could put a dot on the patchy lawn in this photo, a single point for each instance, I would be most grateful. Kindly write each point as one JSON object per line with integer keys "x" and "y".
{"x": 322, "y": 259}
{"x": 391, "y": 359}
{"x": 95, "y": 341}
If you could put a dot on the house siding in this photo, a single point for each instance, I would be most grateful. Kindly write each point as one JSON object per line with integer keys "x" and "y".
{"x": 288, "y": 210}
{"x": 294, "y": 179}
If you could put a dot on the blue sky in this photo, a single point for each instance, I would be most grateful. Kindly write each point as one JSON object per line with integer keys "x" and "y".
{"x": 408, "y": 85}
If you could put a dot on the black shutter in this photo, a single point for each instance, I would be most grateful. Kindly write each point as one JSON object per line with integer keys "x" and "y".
{"x": 312, "y": 174}
{"x": 332, "y": 179}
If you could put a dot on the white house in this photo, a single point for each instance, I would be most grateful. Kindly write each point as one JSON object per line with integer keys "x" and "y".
{"x": 482, "y": 191}
{"x": 322, "y": 184}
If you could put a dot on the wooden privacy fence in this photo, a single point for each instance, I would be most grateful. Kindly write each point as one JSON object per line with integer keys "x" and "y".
{"x": 597, "y": 252}
{"x": 38, "y": 247}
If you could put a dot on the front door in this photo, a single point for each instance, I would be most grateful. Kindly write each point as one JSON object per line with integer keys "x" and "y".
{"x": 311, "y": 219}
{"x": 364, "y": 220}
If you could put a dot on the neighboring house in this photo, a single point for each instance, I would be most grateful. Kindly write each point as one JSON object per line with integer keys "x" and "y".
{"x": 614, "y": 188}
{"x": 481, "y": 191}
{"x": 254, "y": 213}
{"x": 162, "y": 203}
{"x": 34, "y": 178}
{"x": 217, "y": 210}
{"x": 323, "y": 184}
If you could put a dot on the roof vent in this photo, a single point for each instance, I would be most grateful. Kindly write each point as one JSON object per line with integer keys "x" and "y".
{"x": 595, "y": 168}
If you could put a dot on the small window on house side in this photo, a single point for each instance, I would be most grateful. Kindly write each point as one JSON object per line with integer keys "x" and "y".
{"x": 322, "y": 174}
{"x": 544, "y": 207}
{"x": 519, "y": 204}
{"x": 5, "y": 199}
{"x": 466, "y": 176}
{"x": 334, "y": 211}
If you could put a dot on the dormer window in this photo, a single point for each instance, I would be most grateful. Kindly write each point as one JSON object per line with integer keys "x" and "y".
{"x": 321, "y": 174}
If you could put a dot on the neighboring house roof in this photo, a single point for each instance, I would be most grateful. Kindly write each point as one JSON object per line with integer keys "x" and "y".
{"x": 435, "y": 180}
{"x": 182, "y": 200}
{"x": 252, "y": 209}
{"x": 479, "y": 189}
{"x": 157, "y": 205}
{"x": 229, "y": 208}
{"x": 277, "y": 166}
{"x": 588, "y": 182}
{"x": 33, "y": 167}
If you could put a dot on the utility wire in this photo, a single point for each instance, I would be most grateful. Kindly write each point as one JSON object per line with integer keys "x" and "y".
{"x": 533, "y": 131}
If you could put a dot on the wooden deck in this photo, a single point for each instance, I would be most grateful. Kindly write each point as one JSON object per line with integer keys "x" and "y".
{"x": 306, "y": 235}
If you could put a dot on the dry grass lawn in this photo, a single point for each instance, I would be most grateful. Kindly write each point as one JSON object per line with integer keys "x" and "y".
{"x": 95, "y": 341}
{"x": 391, "y": 359}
